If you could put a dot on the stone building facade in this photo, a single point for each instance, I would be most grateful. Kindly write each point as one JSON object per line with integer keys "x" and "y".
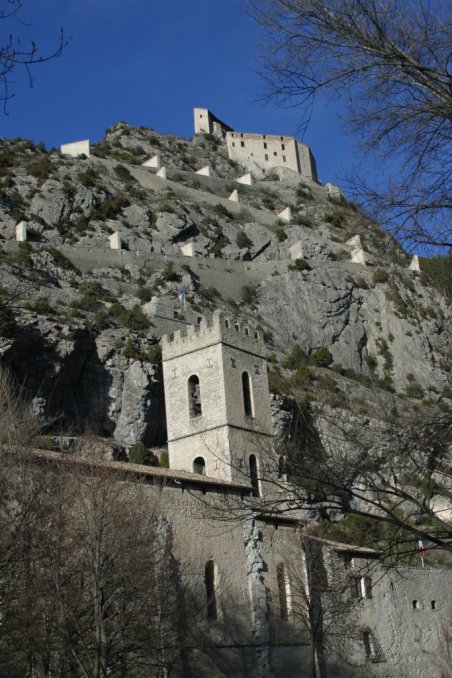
{"x": 248, "y": 576}
{"x": 259, "y": 579}
{"x": 217, "y": 398}
{"x": 269, "y": 151}
{"x": 259, "y": 153}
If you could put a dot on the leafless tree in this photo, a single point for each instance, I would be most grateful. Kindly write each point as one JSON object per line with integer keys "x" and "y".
{"x": 386, "y": 65}
{"x": 14, "y": 55}
{"x": 387, "y": 474}
{"x": 89, "y": 584}
{"x": 323, "y": 605}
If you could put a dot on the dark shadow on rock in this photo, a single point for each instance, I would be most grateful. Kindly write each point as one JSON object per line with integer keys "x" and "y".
{"x": 75, "y": 387}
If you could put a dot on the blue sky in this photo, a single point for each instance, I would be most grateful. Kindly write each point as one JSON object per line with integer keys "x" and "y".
{"x": 149, "y": 62}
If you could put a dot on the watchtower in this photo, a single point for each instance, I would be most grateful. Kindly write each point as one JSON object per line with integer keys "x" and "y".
{"x": 217, "y": 399}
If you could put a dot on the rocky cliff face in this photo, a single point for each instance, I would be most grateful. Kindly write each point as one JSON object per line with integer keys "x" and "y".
{"x": 80, "y": 323}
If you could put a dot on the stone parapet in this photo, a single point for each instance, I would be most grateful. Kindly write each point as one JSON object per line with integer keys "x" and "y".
{"x": 220, "y": 327}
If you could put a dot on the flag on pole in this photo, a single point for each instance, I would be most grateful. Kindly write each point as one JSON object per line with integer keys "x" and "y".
{"x": 421, "y": 551}
{"x": 183, "y": 303}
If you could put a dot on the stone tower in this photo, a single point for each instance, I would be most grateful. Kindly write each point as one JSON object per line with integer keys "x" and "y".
{"x": 217, "y": 399}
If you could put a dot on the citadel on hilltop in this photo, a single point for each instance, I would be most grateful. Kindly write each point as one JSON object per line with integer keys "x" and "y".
{"x": 260, "y": 153}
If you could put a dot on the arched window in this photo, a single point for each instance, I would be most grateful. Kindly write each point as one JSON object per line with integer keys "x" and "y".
{"x": 211, "y": 581}
{"x": 285, "y": 596}
{"x": 194, "y": 397}
{"x": 199, "y": 466}
{"x": 254, "y": 478}
{"x": 247, "y": 396}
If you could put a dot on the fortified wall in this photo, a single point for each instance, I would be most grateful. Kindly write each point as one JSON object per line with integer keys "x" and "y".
{"x": 249, "y": 617}
{"x": 259, "y": 153}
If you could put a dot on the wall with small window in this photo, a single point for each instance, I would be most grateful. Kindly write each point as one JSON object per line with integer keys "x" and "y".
{"x": 264, "y": 152}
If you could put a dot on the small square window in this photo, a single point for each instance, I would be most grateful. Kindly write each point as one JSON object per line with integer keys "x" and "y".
{"x": 283, "y": 148}
{"x": 433, "y": 602}
{"x": 284, "y": 158}
{"x": 233, "y": 143}
{"x": 275, "y": 153}
{"x": 242, "y": 144}
{"x": 265, "y": 145}
{"x": 266, "y": 156}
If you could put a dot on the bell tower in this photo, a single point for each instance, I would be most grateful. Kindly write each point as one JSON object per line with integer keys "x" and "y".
{"x": 217, "y": 399}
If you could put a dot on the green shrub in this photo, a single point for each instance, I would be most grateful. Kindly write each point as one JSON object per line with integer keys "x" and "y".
{"x": 220, "y": 243}
{"x": 361, "y": 284}
{"x": 414, "y": 390}
{"x": 221, "y": 211}
{"x": 248, "y": 295}
{"x": 154, "y": 354}
{"x": 41, "y": 167}
{"x": 144, "y": 294}
{"x": 371, "y": 362}
{"x": 304, "y": 192}
{"x": 340, "y": 255}
{"x": 281, "y": 235}
{"x": 380, "y": 276}
{"x": 169, "y": 274}
{"x": 42, "y": 306}
{"x": 243, "y": 240}
{"x": 111, "y": 207}
{"x": 129, "y": 351}
{"x": 301, "y": 220}
{"x": 300, "y": 265}
{"x": 302, "y": 376}
{"x": 295, "y": 358}
{"x": 335, "y": 218}
{"x": 209, "y": 293}
{"x": 133, "y": 319}
{"x": 321, "y": 357}
{"x": 139, "y": 454}
{"x": 87, "y": 178}
{"x": 123, "y": 173}
{"x": 268, "y": 202}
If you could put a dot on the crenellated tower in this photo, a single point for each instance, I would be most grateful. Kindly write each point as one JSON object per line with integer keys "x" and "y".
{"x": 217, "y": 398}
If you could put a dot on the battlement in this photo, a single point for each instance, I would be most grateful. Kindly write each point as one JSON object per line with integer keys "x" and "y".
{"x": 217, "y": 328}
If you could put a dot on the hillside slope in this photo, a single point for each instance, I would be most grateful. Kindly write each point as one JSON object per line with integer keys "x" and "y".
{"x": 80, "y": 322}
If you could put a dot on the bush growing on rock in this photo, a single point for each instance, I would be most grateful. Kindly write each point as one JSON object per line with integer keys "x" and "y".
{"x": 300, "y": 265}
{"x": 295, "y": 358}
{"x": 139, "y": 454}
{"x": 321, "y": 357}
{"x": 133, "y": 319}
{"x": 380, "y": 276}
{"x": 243, "y": 240}
{"x": 123, "y": 173}
{"x": 281, "y": 234}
